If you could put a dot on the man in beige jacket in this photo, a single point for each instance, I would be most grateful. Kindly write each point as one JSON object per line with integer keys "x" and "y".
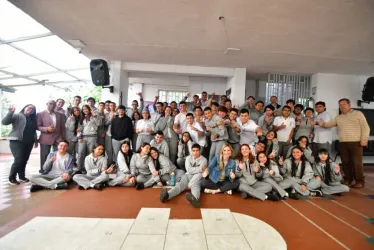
{"x": 354, "y": 133}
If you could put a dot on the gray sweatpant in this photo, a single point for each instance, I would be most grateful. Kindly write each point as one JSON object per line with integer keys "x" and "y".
{"x": 73, "y": 150}
{"x": 46, "y": 180}
{"x": 147, "y": 180}
{"x": 332, "y": 188}
{"x": 173, "y": 148}
{"x": 85, "y": 148}
{"x": 291, "y": 183}
{"x": 257, "y": 190}
{"x": 87, "y": 181}
{"x": 283, "y": 148}
{"x": 275, "y": 186}
{"x": 116, "y": 147}
{"x": 187, "y": 181}
{"x": 181, "y": 163}
{"x": 141, "y": 139}
{"x": 215, "y": 148}
{"x": 109, "y": 149}
{"x": 166, "y": 177}
{"x": 118, "y": 181}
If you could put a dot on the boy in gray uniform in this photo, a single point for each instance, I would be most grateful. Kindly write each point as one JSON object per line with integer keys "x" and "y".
{"x": 195, "y": 165}
{"x": 218, "y": 133}
{"x": 159, "y": 143}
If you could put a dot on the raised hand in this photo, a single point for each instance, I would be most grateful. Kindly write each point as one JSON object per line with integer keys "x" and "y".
{"x": 11, "y": 108}
{"x": 281, "y": 160}
{"x": 139, "y": 94}
{"x": 188, "y": 94}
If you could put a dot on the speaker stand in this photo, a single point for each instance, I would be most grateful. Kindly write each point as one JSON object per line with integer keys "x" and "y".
{"x": 111, "y": 88}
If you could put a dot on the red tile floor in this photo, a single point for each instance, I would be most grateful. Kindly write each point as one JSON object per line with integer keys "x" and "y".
{"x": 319, "y": 223}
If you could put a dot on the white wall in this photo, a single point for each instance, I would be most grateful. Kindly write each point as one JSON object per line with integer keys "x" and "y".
{"x": 237, "y": 83}
{"x": 250, "y": 88}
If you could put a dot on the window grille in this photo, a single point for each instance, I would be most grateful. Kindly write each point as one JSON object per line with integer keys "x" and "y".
{"x": 169, "y": 96}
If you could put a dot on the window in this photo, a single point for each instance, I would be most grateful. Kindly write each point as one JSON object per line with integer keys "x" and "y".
{"x": 286, "y": 87}
{"x": 169, "y": 96}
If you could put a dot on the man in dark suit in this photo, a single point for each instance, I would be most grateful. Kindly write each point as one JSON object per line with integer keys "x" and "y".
{"x": 51, "y": 125}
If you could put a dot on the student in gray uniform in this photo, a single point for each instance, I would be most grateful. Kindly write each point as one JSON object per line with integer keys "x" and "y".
{"x": 271, "y": 147}
{"x": 305, "y": 126}
{"x": 141, "y": 167}
{"x": 136, "y": 116}
{"x": 184, "y": 150}
{"x": 328, "y": 175}
{"x": 217, "y": 133}
{"x": 233, "y": 131}
{"x": 97, "y": 170}
{"x": 72, "y": 124}
{"x": 297, "y": 174}
{"x": 269, "y": 173}
{"x": 164, "y": 168}
{"x": 220, "y": 175}
{"x": 265, "y": 122}
{"x": 159, "y": 143}
{"x": 123, "y": 166}
{"x": 256, "y": 113}
{"x": 87, "y": 137}
{"x": 57, "y": 170}
{"x": 249, "y": 185}
{"x": 144, "y": 128}
{"x": 101, "y": 129}
{"x": 165, "y": 124}
{"x": 195, "y": 165}
{"x": 303, "y": 143}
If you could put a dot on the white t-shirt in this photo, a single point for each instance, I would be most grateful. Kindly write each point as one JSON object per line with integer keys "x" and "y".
{"x": 322, "y": 135}
{"x": 194, "y": 135}
{"x": 143, "y": 125}
{"x": 284, "y": 133}
{"x": 181, "y": 120}
{"x": 248, "y": 132}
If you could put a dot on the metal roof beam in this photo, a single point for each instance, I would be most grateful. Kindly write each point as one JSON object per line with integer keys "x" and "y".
{"x": 25, "y": 38}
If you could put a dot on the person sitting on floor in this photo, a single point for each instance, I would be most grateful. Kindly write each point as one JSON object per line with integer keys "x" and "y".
{"x": 297, "y": 174}
{"x": 123, "y": 166}
{"x": 195, "y": 165}
{"x": 249, "y": 185}
{"x": 184, "y": 150}
{"x": 57, "y": 170}
{"x": 164, "y": 168}
{"x": 221, "y": 171}
{"x": 159, "y": 143}
{"x": 328, "y": 175}
{"x": 303, "y": 143}
{"x": 96, "y": 168}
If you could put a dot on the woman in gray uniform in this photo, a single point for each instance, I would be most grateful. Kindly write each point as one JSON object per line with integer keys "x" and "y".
{"x": 123, "y": 166}
{"x": 303, "y": 143}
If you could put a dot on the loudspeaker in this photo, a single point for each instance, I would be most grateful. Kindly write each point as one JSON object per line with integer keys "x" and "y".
{"x": 368, "y": 91}
{"x": 99, "y": 72}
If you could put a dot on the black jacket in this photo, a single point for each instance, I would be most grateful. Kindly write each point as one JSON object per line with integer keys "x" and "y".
{"x": 121, "y": 128}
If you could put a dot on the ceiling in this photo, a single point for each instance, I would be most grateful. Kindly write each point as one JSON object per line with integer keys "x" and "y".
{"x": 304, "y": 36}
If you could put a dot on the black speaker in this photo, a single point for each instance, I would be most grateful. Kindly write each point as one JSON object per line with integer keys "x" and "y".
{"x": 99, "y": 72}
{"x": 368, "y": 91}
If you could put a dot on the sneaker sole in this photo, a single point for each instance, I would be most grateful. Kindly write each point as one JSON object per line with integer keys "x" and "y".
{"x": 14, "y": 184}
{"x": 191, "y": 200}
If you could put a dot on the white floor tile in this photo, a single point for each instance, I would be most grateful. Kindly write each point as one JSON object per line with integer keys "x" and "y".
{"x": 219, "y": 221}
{"x": 224, "y": 242}
{"x": 260, "y": 235}
{"x": 151, "y": 221}
{"x": 107, "y": 234}
{"x": 185, "y": 234}
{"x": 144, "y": 242}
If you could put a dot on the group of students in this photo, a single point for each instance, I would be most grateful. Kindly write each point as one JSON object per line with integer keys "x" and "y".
{"x": 200, "y": 145}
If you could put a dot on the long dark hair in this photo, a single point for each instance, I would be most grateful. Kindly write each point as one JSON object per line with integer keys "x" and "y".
{"x": 186, "y": 149}
{"x": 31, "y": 117}
{"x": 128, "y": 155}
{"x": 269, "y": 148}
{"x": 293, "y": 163}
{"x": 142, "y": 146}
{"x": 327, "y": 179}
{"x": 83, "y": 115}
{"x": 77, "y": 119}
{"x": 156, "y": 162}
{"x": 268, "y": 161}
{"x": 303, "y": 137}
{"x": 133, "y": 115}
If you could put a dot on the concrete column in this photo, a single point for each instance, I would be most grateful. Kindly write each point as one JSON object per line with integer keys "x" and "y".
{"x": 237, "y": 85}
{"x": 120, "y": 81}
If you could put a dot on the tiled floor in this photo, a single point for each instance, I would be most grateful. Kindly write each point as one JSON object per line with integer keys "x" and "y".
{"x": 330, "y": 223}
{"x": 219, "y": 229}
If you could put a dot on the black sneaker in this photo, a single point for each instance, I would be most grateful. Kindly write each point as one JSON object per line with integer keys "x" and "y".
{"x": 273, "y": 197}
{"x": 244, "y": 195}
{"x": 294, "y": 196}
{"x": 194, "y": 202}
{"x": 316, "y": 193}
{"x": 62, "y": 186}
{"x": 338, "y": 194}
{"x": 35, "y": 188}
{"x": 80, "y": 187}
{"x": 139, "y": 186}
{"x": 164, "y": 196}
{"x": 13, "y": 182}
{"x": 98, "y": 187}
{"x": 24, "y": 180}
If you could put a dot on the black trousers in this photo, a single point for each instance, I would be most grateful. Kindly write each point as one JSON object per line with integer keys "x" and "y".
{"x": 223, "y": 186}
{"x": 21, "y": 152}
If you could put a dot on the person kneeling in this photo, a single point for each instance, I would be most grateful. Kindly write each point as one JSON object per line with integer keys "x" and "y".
{"x": 56, "y": 170}
{"x": 97, "y": 171}
{"x": 221, "y": 171}
{"x": 195, "y": 165}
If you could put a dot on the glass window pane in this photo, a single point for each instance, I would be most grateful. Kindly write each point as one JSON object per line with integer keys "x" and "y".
{"x": 55, "y": 51}
{"x": 15, "y": 23}
{"x": 54, "y": 77}
{"x": 18, "y": 62}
